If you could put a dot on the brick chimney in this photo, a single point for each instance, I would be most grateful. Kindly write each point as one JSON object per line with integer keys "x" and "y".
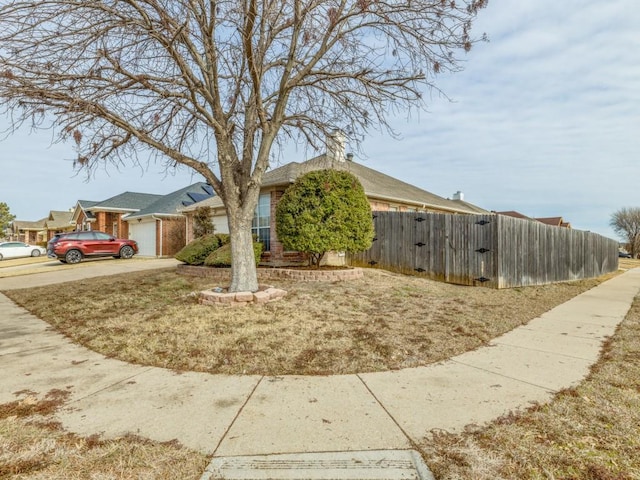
{"x": 336, "y": 146}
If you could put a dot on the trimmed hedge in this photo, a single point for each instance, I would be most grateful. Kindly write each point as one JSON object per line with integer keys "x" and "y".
{"x": 221, "y": 257}
{"x": 199, "y": 249}
{"x": 324, "y": 210}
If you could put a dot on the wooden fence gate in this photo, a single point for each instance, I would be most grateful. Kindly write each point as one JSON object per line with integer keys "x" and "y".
{"x": 488, "y": 250}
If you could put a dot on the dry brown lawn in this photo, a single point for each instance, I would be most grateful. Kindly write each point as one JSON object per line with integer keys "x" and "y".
{"x": 591, "y": 432}
{"x": 384, "y": 321}
{"x": 32, "y": 446}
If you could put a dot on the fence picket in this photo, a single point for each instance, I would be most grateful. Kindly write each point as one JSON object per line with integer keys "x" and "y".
{"x": 488, "y": 250}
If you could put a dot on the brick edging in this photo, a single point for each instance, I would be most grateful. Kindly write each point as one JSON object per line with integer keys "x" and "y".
{"x": 276, "y": 273}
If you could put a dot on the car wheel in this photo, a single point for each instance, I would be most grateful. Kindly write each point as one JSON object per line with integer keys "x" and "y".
{"x": 35, "y": 253}
{"x": 73, "y": 256}
{"x": 126, "y": 252}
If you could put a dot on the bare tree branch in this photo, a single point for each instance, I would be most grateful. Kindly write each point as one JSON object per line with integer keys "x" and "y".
{"x": 217, "y": 85}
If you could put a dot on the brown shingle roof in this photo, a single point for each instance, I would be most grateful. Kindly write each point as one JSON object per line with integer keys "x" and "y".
{"x": 554, "y": 221}
{"x": 28, "y": 225}
{"x": 376, "y": 185}
{"x": 514, "y": 214}
{"x": 59, "y": 220}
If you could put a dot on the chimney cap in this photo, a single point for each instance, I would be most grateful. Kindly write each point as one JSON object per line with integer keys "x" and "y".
{"x": 458, "y": 196}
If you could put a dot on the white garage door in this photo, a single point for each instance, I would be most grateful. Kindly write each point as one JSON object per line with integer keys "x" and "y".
{"x": 145, "y": 234}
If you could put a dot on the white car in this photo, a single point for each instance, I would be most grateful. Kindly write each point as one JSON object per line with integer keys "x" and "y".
{"x": 19, "y": 249}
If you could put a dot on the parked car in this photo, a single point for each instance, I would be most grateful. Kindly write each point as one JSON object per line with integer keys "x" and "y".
{"x": 20, "y": 249}
{"x": 624, "y": 255}
{"x": 52, "y": 242}
{"x": 73, "y": 247}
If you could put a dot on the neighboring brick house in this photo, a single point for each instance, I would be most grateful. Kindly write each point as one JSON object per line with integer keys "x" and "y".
{"x": 82, "y": 217}
{"x": 151, "y": 220}
{"x": 58, "y": 222}
{"x": 107, "y": 215}
{"x": 385, "y": 193}
{"x": 159, "y": 228}
{"x": 31, "y": 232}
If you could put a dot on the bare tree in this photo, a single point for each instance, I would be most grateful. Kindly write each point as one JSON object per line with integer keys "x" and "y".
{"x": 217, "y": 85}
{"x": 626, "y": 223}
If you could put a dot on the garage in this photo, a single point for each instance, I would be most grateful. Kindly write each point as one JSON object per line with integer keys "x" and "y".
{"x": 145, "y": 234}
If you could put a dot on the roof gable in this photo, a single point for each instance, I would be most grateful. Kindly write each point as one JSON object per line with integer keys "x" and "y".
{"x": 171, "y": 203}
{"x": 59, "y": 219}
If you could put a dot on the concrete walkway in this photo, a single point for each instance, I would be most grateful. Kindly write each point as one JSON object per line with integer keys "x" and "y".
{"x": 253, "y": 415}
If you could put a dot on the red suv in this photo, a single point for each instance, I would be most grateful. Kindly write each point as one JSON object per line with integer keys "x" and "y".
{"x": 73, "y": 247}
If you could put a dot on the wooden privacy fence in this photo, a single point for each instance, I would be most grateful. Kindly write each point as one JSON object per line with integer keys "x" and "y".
{"x": 489, "y": 250}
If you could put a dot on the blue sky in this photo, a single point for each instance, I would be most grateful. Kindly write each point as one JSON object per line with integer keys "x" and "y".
{"x": 544, "y": 119}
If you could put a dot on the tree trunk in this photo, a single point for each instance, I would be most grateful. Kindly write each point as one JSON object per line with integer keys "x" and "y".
{"x": 244, "y": 276}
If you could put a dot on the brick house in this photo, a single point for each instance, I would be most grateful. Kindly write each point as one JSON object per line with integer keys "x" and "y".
{"x": 26, "y": 231}
{"x": 384, "y": 193}
{"x": 159, "y": 228}
{"x": 107, "y": 215}
{"x": 151, "y": 220}
{"x": 59, "y": 222}
{"x": 41, "y": 231}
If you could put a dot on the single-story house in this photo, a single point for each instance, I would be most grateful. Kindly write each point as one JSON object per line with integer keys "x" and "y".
{"x": 27, "y": 231}
{"x": 107, "y": 215}
{"x": 159, "y": 228}
{"x": 385, "y": 193}
{"x": 151, "y": 220}
{"x": 59, "y": 222}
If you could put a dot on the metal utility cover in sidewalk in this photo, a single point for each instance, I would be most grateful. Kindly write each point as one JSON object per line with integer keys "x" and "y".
{"x": 363, "y": 465}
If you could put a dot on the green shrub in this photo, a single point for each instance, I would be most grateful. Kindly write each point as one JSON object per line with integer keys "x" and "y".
{"x": 202, "y": 222}
{"x": 198, "y": 250}
{"x": 224, "y": 238}
{"x": 221, "y": 257}
{"x": 322, "y": 211}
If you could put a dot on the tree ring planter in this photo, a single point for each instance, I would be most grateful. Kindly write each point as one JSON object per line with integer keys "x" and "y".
{"x": 221, "y": 298}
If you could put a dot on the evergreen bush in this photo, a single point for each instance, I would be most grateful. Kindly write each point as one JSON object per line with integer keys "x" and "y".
{"x": 198, "y": 250}
{"x": 221, "y": 257}
{"x": 324, "y": 210}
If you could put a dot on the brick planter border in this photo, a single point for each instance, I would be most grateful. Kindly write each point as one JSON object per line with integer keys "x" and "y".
{"x": 224, "y": 274}
{"x": 265, "y": 294}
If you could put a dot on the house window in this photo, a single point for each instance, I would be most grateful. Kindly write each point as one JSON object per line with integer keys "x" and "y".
{"x": 261, "y": 225}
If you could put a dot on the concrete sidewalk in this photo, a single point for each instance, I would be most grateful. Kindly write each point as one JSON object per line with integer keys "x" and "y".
{"x": 252, "y": 415}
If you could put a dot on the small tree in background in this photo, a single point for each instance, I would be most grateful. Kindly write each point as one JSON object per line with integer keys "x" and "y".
{"x": 626, "y": 223}
{"x": 5, "y": 218}
{"x": 202, "y": 222}
{"x": 322, "y": 211}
